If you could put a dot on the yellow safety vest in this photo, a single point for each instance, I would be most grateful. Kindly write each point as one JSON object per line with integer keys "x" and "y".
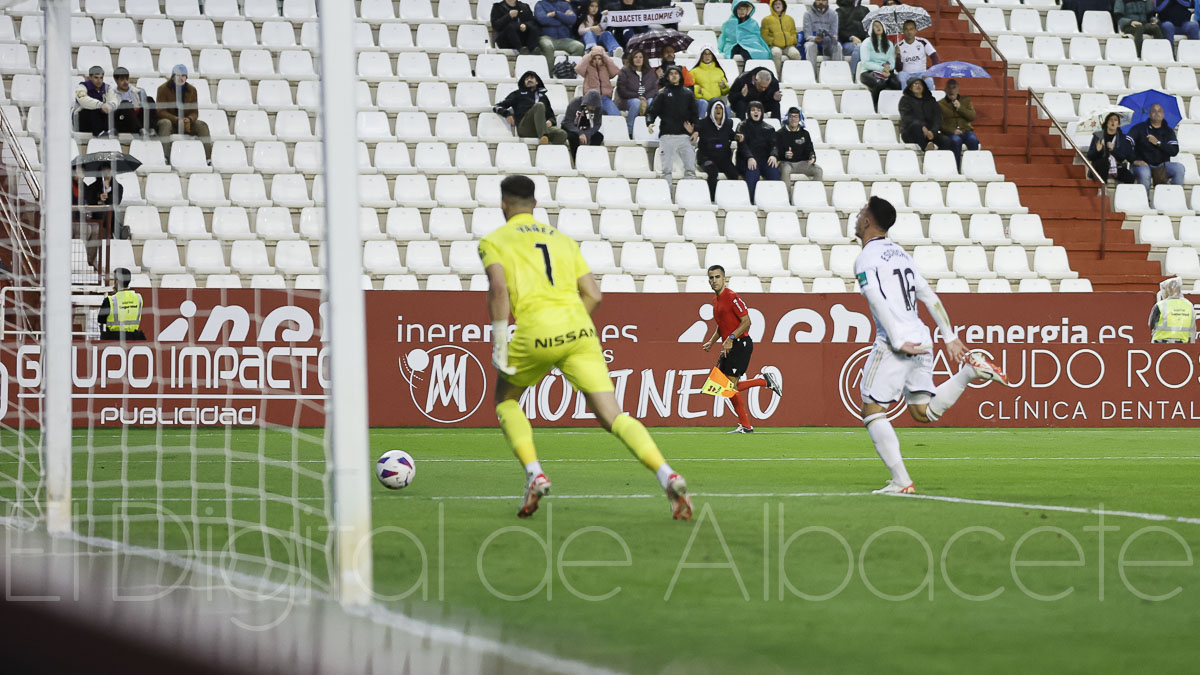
{"x": 1175, "y": 319}
{"x": 124, "y": 311}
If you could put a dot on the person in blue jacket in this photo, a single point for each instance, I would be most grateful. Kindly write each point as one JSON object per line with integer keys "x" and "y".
{"x": 557, "y": 20}
{"x": 741, "y": 34}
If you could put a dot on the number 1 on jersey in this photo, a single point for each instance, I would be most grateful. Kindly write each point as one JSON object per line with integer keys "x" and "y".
{"x": 546, "y": 257}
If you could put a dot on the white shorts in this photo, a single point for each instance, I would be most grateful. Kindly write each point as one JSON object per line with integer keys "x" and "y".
{"x": 888, "y": 374}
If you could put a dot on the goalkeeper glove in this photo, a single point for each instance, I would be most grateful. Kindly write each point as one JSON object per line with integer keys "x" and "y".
{"x": 500, "y": 348}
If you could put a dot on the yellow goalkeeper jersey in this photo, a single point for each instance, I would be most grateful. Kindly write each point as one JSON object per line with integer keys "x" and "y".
{"x": 541, "y": 266}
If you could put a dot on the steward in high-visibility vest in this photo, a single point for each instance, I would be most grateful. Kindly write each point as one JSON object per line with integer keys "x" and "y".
{"x": 1173, "y": 318}
{"x": 120, "y": 315}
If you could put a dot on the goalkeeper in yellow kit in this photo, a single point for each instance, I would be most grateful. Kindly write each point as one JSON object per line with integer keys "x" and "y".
{"x": 538, "y": 274}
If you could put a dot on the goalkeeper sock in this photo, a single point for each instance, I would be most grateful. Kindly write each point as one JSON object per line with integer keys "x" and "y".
{"x": 635, "y": 437}
{"x": 887, "y": 444}
{"x": 518, "y": 433}
{"x": 739, "y": 406}
{"x": 947, "y": 393}
{"x": 664, "y": 473}
{"x": 747, "y": 384}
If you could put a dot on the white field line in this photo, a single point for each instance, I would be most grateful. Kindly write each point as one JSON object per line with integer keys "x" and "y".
{"x": 478, "y": 460}
{"x": 1066, "y": 509}
{"x": 373, "y": 612}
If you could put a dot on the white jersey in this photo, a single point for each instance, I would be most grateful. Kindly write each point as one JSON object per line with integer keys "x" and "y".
{"x": 914, "y": 58}
{"x": 889, "y": 279}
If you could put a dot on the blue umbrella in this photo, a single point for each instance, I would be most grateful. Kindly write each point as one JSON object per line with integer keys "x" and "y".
{"x": 1140, "y": 104}
{"x": 960, "y": 69}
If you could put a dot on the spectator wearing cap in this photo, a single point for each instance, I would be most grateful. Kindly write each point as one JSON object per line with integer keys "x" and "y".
{"x": 178, "y": 111}
{"x": 94, "y": 103}
{"x": 795, "y": 149}
{"x": 135, "y": 112}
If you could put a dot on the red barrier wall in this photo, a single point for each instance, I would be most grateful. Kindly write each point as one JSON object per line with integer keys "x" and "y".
{"x": 244, "y": 357}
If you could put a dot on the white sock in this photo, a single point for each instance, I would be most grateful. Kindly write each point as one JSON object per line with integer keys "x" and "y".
{"x": 947, "y": 393}
{"x": 664, "y": 472}
{"x": 532, "y": 469}
{"x": 887, "y": 444}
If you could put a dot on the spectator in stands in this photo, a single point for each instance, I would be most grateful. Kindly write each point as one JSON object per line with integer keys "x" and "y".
{"x": 1081, "y": 7}
{"x": 1111, "y": 151}
{"x": 710, "y": 79}
{"x": 850, "y": 29}
{"x": 84, "y": 226}
{"x": 514, "y": 26}
{"x": 756, "y": 149}
{"x": 636, "y": 86}
{"x": 779, "y": 32}
{"x": 120, "y": 314}
{"x": 178, "y": 111}
{"x": 794, "y": 149}
{"x": 623, "y": 33}
{"x": 94, "y": 102}
{"x": 582, "y": 121}
{"x": 715, "y": 152}
{"x": 741, "y": 35}
{"x": 556, "y": 19}
{"x": 755, "y": 86}
{"x": 666, "y": 61}
{"x": 588, "y": 29}
{"x": 916, "y": 54}
{"x": 135, "y": 112}
{"x": 676, "y": 106}
{"x": 105, "y": 191}
{"x": 958, "y": 115}
{"x": 597, "y": 71}
{"x": 875, "y": 67}
{"x": 1137, "y": 18}
{"x": 1178, "y": 16}
{"x": 921, "y": 117}
{"x": 820, "y": 33}
{"x": 1154, "y": 144}
{"x": 528, "y": 111}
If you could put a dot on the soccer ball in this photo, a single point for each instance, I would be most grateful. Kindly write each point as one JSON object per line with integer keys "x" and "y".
{"x": 395, "y": 469}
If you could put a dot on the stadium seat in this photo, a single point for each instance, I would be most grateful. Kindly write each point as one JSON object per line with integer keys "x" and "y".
{"x": 652, "y": 193}
{"x": 825, "y": 228}
{"x": 464, "y": 258}
{"x": 1035, "y": 286}
{"x": 268, "y": 281}
{"x": 903, "y": 165}
{"x": 954, "y": 285}
{"x": 931, "y": 261}
{"x": 250, "y": 257}
{"x": 892, "y": 191}
{"x": 970, "y": 262}
{"x": 207, "y": 190}
{"x": 657, "y": 226}
{"x": 946, "y": 229}
{"x": 599, "y": 257}
{"x": 161, "y": 256}
{"x": 612, "y": 193}
{"x": 987, "y": 229}
{"x": 1182, "y": 261}
{"x": 765, "y": 260}
{"x": 1131, "y": 199}
{"x": 230, "y": 223}
{"x": 639, "y": 257}
{"x": 205, "y": 257}
{"x": 807, "y": 260}
{"x": 1051, "y": 262}
{"x": 993, "y": 286}
{"x": 616, "y": 225}
{"x": 828, "y": 285}
{"x": 681, "y": 259}
{"x": 618, "y": 283}
{"x": 907, "y": 231}
{"x": 660, "y": 283}
{"x": 1156, "y": 231}
{"x": 926, "y": 197}
{"x": 787, "y": 284}
{"x": 743, "y": 227}
{"x": 701, "y": 226}
{"x": 1171, "y": 200}
{"x": 1075, "y": 286}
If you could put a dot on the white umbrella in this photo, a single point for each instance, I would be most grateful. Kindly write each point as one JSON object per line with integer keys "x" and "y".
{"x": 1094, "y": 120}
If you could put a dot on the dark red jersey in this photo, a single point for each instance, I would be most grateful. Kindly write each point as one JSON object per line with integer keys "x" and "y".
{"x": 728, "y": 310}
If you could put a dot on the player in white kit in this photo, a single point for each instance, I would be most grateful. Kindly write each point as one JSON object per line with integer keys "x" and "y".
{"x": 901, "y": 361}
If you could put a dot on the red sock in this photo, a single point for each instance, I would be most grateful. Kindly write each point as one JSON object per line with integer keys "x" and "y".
{"x": 739, "y": 406}
{"x": 746, "y": 384}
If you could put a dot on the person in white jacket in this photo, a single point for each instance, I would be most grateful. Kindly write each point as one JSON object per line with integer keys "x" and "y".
{"x": 94, "y": 103}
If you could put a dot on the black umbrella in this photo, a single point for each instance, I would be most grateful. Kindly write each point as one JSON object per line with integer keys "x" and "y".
{"x": 653, "y": 41}
{"x": 95, "y": 163}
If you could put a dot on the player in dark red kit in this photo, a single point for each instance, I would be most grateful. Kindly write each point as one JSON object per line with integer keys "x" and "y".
{"x": 733, "y": 328}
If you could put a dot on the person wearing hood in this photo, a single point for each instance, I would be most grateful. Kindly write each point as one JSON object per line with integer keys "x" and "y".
{"x": 850, "y": 28}
{"x": 514, "y": 26}
{"x": 794, "y": 148}
{"x": 178, "y": 111}
{"x": 1137, "y": 18}
{"x": 779, "y": 32}
{"x": 875, "y": 68}
{"x": 756, "y": 149}
{"x": 667, "y": 60}
{"x": 94, "y": 102}
{"x": 715, "y": 151}
{"x": 528, "y": 111}
{"x": 821, "y": 31}
{"x": 741, "y": 34}
{"x": 582, "y": 121}
{"x": 597, "y": 71}
{"x": 1177, "y": 16}
{"x": 759, "y": 85}
{"x": 921, "y": 117}
{"x": 636, "y": 86}
{"x": 958, "y": 117}
{"x": 557, "y": 20}
{"x": 676, "y": 107}
{"x": 710, "y": 79}
{"x": 1111, "y": 151}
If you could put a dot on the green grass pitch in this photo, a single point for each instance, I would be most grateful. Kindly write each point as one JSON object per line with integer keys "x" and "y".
{"x": 788, "y": 565}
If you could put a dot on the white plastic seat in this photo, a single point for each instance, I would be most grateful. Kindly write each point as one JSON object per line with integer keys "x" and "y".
{"x": 161, "y": 256}
{"x": 1182, "y": 261}
{"x": 375, "y": 66}
{"x": 1131, "y": 199}
{"x": 726, "y": 255}
{"x": 1034, "y": 286}
{"x": 786, "y": 285}
{"x": 1075, "y": 286}
{"x": 828, "y": 285}
{"x": 230, "y": 223}
{"x": 946, "y": 229}
{"x": 693, "y": 195}
{"x": 414, "y": 126}
{"x": 278, "y": 35}
{"x": 250, "y": 257}
{"x": 1171, "y": 200}
{"x": 639, "y": 257}
{"x": 617, "y": 225}
{"x": 810, "y": 196}
{"x": 1156, "y": 231}
{"x": 862, "y": 163}
{"x": 931, "y": 261}
{"x": 270, "y": 157}
{"x": 765, "y": 260}
{"x": 404, "y": 224}
{"x": 987, "y": 229}
{"x": 599, "y": 257}
{"x": 970, "y": 262}
{"x": 164, "y": 189}
{"x": 954, "y": 285}
{"x": 618, "y": 283}
{"x": 701, "y": 226}
{"x": 274, "y": 223}
{"x": 903, "y": 165}
{"x": 733, "y": 195}
{"x": 205, "y": 257}
{"x": 207, "y": 190}
{"x": 143, "y": 223}
{"x": 825, "y": 228}
{"x": 743, "y": 228}
{"x": 1051, "y": 262}
{"x": 252, "y": 125}
{"x": 249, "y": 190}
{"x": 783, "y": 227}
{"x": 908, "y": 231}
{"x": 657, "y": 226}
{"x": 681, "y": 259}
{"x": 660, "y": 283}
{"x": 1034, "y": 76}
{"x": 926, "y": 197}
{"x": 455, "y": 191}
{"x": 464, "y": 258}
{"x": 991, "y": 285}
{"x": 807, "y": 260}
{"x": 290, "y": 189}
{"x": 612, "y": 193}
